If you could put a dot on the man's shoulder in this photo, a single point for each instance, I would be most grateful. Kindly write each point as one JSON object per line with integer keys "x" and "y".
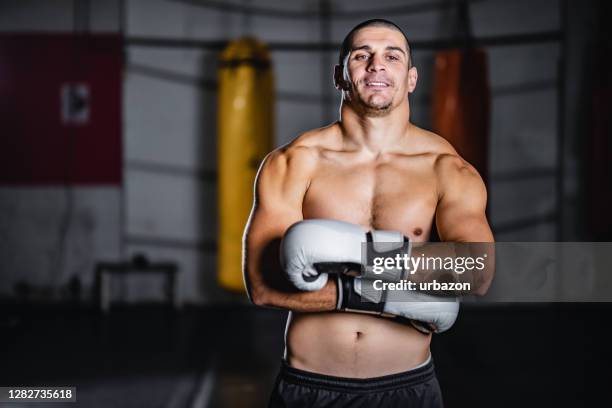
{"x": 451, "y": 169}
{"x": 447, "y": 160}
{"x": 317, "y": 139}
{"x": 456, "y": 174}
{"x": 434, "y": 143}
{"x": 453, "y": 165}
{"x": 299, "y": 157}
{"x": 304, "y": 150}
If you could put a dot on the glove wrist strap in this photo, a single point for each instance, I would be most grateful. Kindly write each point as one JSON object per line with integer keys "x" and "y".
{"x": 350, "y": 300}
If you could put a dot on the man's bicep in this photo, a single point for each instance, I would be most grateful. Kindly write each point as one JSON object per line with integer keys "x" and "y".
{"x": 268, "y": 222}
{"x": 278, "y": 198}
{"x": 465, "y": 226}
{"x": 460, "y": 216}
{"x": 276, "y": 207}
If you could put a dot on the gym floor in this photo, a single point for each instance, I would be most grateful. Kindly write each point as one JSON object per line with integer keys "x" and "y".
{"x": 227, "y": 356}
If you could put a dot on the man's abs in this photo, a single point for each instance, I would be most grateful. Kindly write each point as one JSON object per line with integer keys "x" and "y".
{"x": 353, "y": 345}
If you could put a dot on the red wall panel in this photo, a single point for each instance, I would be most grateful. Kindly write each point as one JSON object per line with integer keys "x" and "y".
{"x": 38, "y": 143}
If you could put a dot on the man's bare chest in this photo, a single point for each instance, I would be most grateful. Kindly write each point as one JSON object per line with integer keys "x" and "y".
{"x": 398, "y": 196}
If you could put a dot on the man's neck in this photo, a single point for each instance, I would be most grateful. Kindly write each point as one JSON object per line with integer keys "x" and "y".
{"x": 376, "y": 134}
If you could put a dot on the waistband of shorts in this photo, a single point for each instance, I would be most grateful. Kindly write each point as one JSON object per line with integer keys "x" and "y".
{"x": 404, "y": 379}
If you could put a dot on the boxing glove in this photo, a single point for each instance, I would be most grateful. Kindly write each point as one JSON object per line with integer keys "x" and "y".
{"x": 311, "y": 249}
{"x": 425, "y": 312}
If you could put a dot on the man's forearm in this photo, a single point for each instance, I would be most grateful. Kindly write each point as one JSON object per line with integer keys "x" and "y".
{"x": 323, "y": 300}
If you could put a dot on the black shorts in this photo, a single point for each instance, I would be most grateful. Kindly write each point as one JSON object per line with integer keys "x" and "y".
{"x": 414, "y": 388}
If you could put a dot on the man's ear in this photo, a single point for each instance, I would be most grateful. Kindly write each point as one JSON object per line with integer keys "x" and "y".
{"x": 339, "y": 81}
{"x": 413, "y": 77}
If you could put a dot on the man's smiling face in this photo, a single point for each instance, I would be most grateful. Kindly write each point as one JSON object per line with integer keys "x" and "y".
{"x": 376, "y": 71}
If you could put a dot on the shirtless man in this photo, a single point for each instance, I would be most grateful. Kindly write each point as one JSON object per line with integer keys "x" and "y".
{"x": 375, "y": 169}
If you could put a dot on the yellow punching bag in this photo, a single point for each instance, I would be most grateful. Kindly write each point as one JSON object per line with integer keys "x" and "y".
{"x": 245, "y": 136}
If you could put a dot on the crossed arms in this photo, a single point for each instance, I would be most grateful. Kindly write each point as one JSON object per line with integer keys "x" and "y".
{"x": 281, "y": 184}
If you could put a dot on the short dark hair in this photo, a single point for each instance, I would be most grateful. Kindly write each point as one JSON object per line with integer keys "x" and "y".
{"x": 347, "y": 43}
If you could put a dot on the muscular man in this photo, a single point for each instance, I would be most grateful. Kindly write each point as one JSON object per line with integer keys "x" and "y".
{"x": 375, "y": 169}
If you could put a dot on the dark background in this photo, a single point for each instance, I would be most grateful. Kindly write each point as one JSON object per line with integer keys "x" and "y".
{"x": 132, "y": 172}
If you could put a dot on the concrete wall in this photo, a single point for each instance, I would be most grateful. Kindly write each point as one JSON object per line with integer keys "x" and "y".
{"x": 170, "y": 112}
{"x": 52, "y": 235}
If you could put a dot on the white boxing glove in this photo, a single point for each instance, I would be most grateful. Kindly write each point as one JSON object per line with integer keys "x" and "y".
{"x": 309, "y": 242}
{"x": 425, "y": 312}
{"x": 328, "y": 243}
{"x": 311, "y": 246}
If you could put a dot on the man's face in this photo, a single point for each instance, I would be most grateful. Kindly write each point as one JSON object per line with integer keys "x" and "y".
{"x": 377, "y": 74}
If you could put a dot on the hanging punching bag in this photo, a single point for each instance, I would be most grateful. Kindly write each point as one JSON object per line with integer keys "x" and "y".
{"x": 245, "y": 136}
{"x": 461, "y": 103}
{"x": 461, "y": 99}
